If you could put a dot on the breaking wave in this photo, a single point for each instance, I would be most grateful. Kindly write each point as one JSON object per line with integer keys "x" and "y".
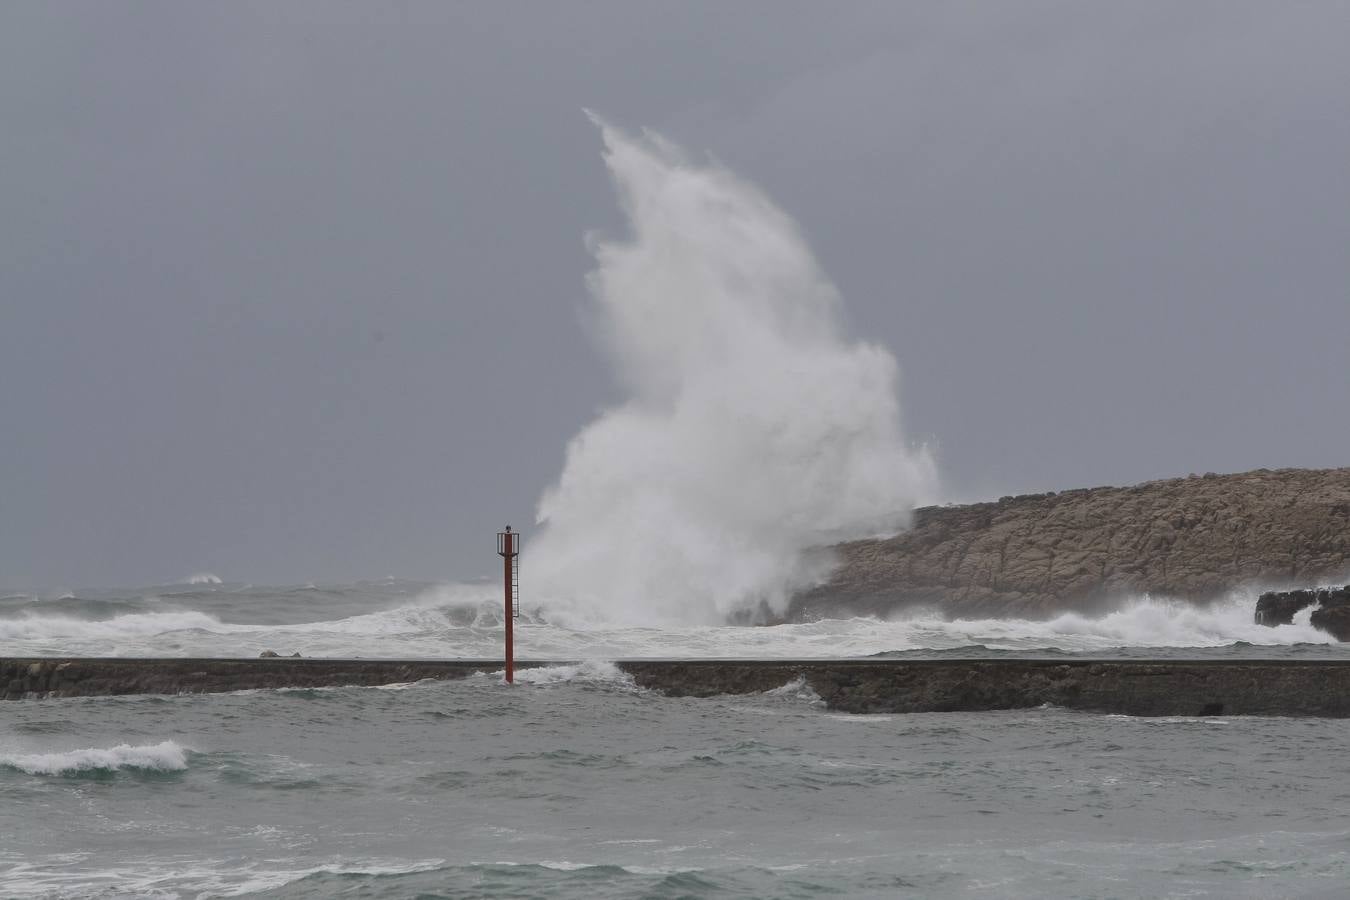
{"x": 753, "y": 428}
{"x": 464, "y": 621}
{"x": 165, "y": 756}
{"x": 1144, "y": 622}
{"x": 592, "y": 671}
{"x": 47, "y": 628}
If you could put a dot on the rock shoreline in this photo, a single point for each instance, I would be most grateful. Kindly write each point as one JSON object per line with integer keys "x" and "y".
{"x": 1039, "y": 555}
{"x": 1331, "y": 611}
{"x": 1131, "y": 687}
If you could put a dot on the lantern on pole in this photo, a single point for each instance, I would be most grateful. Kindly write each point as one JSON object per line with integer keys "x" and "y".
{"x": 508, "y": 548}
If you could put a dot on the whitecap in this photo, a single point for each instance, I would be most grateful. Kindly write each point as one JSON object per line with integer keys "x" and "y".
{"x": 40, "y": 628}
{"x": 797, "y": 688}
{"x": 593, "y": 671}
{"x": 166, "y": 756}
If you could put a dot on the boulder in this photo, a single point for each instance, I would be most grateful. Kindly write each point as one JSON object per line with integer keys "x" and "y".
{"x": 1333, "y": 613}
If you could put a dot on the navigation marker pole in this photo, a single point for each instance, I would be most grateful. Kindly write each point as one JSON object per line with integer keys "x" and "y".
{"x": 508, "y": 548}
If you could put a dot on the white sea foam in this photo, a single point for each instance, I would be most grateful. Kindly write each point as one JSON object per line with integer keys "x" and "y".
{"x": 753, "y": 429}
{"x": 166, "y": 756}
{"x": 1160, "y": 622}
{"x": 596, "y": 671}
{"x": 152, "y": 877}
{"x": 1140, "y": 622}
{"x": 46, "y": 628}
{"x": 797, "y": 689}
{"x": 451, "y": 623}
{"x": 202, "y": 578}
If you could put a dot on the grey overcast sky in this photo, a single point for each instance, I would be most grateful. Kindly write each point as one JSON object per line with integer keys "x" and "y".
{"x": 291, "y": 291}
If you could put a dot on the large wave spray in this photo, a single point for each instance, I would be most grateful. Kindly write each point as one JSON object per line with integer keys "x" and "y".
{"x": 753, "y": 430}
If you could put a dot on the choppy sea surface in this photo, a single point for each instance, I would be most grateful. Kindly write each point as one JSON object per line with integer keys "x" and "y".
{"x": 396, "y": 618}
{"x": 574, "y": 783}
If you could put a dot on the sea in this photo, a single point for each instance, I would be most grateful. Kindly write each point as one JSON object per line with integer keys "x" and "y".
{"x": 574, "y": 783}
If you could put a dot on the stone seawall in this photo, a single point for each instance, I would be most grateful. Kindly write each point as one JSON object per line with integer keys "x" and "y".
{"x": 51, "y": 677}
{"x": 1133, "y": 687}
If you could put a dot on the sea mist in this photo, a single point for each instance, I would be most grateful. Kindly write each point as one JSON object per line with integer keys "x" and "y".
{"x": 753, "y": 433}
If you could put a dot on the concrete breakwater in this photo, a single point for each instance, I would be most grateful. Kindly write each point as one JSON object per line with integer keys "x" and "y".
{"x": 1133, "y": 687}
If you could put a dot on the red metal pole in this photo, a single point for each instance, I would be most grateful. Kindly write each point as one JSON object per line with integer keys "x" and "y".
{"x": 508, "y": 557}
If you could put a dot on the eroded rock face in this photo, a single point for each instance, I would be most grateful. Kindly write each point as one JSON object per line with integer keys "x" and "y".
{"x": 1279, "y": 607}
{"x": 1039, "y": 555}
{"x": 1334, "y": 619}
{"x": 1331, "y": 613}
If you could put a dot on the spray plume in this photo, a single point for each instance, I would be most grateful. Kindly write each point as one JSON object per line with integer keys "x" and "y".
{"x": 752, "y": 430}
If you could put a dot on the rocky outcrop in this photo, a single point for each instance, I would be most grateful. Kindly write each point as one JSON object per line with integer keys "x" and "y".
{"x": 1279, "y": 607}
{"x": 1038, "y": 555}
{"x": 1331, "y": 613}
{"x": 1333, "y": 616}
